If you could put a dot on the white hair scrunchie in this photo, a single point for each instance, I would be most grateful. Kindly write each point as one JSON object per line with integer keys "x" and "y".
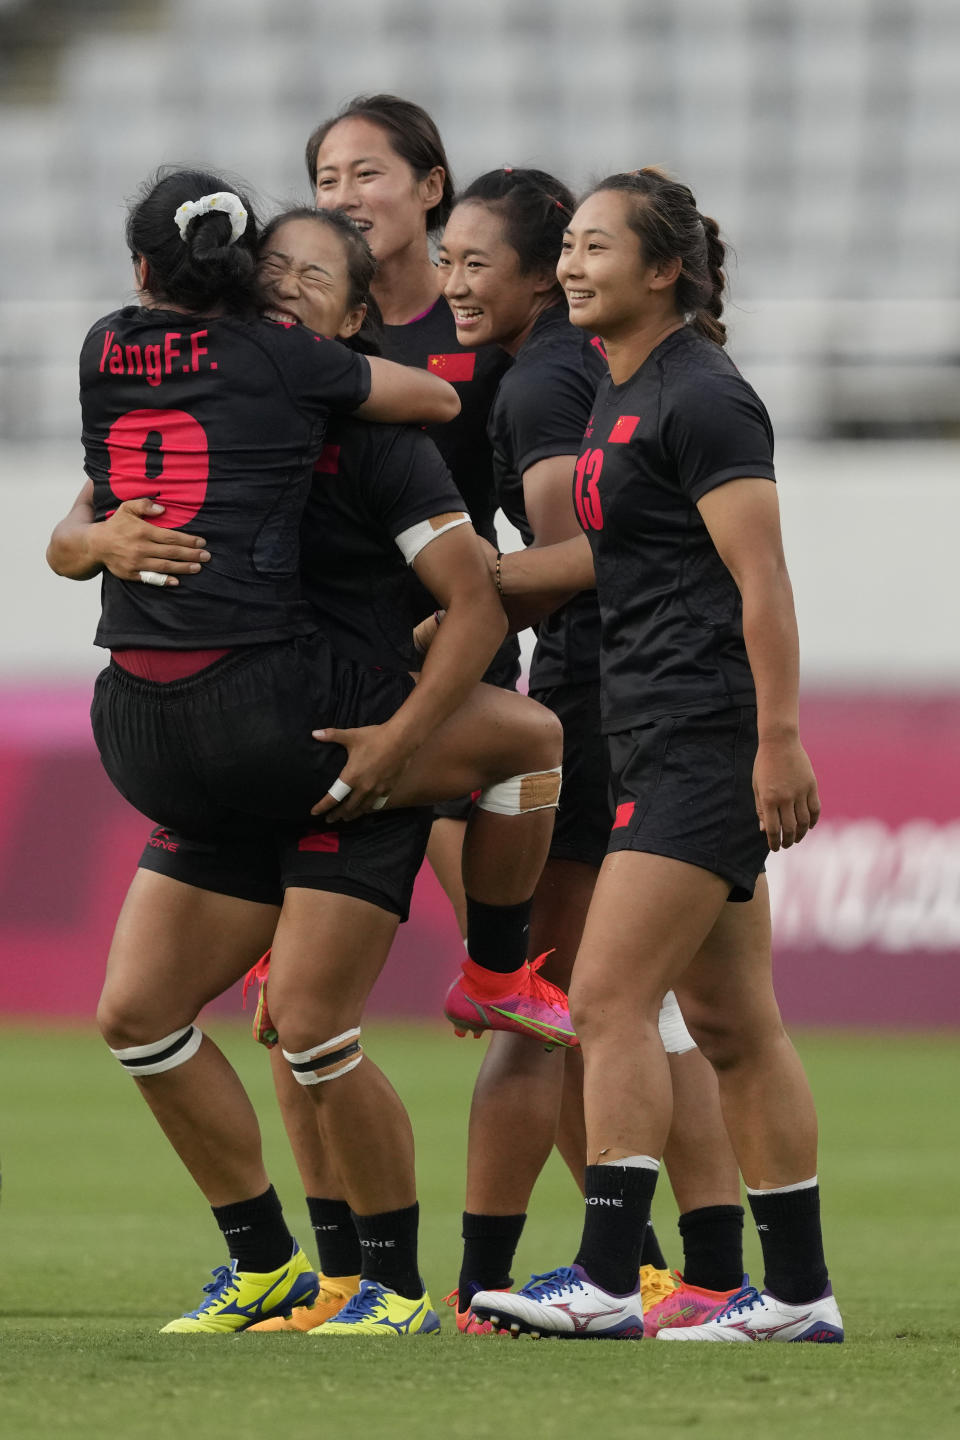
{"x": 223, "y": 200}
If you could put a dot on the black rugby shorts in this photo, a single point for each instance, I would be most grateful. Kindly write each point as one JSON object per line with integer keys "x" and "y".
{"x": 216, "y": 754}
{"x": 683, "y": 787}
{"x": 375, "y": 858}
{"x": 585, "y": 812}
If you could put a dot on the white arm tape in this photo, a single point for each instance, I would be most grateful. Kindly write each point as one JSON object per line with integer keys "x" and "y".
{"x": 340, "y": 789}
{"x": 418, "y": 537}
{"x": 676, "y": 1038}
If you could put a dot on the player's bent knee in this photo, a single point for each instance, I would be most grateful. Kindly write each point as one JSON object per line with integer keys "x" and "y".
{"x": 158, "y": 1056}
{"x": 328, "y": 1060}
{"x": 676, "y": 1038}
{"x": 123, "y": 1024}
{"x": 538, "y": 790}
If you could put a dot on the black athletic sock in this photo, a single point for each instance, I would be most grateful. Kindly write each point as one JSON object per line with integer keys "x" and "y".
{"x": 650, "y": 1252}
{"x": 497, "y": 935}
{"x": 336, "y": 1236}
{"x": 489, "y": 1245}
{"x": 256, "y": 1233}
{"x": 713, "y": 1246}
{"x": 789, "y": 1226}
{"x": 617, "y": 1210}
{"x": 388, "y": 1243}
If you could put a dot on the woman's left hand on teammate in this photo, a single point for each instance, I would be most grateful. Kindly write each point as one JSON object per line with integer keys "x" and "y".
{"x": 785, "y": 789}
{"x": 375, "y": 763}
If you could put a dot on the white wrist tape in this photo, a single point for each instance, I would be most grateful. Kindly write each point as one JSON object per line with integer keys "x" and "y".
{"x": 160, "y": 1055}
{"x": 676, "y": 1038}
{"x": 412, "y": 541}
{"x": 340, "y": 789}
{"x": 539, "y": 790}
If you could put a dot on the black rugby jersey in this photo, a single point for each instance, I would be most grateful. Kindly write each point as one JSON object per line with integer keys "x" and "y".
{"x": 672, "y": 619}
{"x": 430, "y": 343}
{"x": 541, "y": 410}
{"x": 370, "y": 484}
{"x": 221, "y": 420}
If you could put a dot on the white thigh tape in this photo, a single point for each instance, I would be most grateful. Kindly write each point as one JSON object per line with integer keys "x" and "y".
{"x": 539, "y": 790}
{"x": 160, "y": 1055}
{"x": 676, "y": 1038}
{"x": 418, "y": 537}
{"x": 342, "y": 1052}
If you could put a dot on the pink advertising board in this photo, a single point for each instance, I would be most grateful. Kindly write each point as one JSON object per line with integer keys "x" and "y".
{"x": 867, "y": 909}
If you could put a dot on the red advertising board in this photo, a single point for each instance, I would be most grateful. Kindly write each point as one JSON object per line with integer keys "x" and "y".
{"x": 866, "y": 910}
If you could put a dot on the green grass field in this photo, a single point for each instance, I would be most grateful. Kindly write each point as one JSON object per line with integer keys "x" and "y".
{"x": 103, "y": 1239}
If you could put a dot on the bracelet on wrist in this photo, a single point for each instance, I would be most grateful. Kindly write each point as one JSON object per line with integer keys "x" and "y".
{"x": 498, "y": 575}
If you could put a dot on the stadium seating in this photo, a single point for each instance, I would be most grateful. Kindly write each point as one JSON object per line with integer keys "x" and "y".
{"x": 823, "y": 135}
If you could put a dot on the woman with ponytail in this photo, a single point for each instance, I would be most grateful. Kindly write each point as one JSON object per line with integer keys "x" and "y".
{"x": 498, "y": 256}
{"x": 699, "y": 677}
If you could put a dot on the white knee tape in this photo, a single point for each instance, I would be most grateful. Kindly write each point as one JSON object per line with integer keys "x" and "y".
{"x": 539, "y": 790}
{"x": 160, "y": 1055}
{"x": 342, "y": 1054}
{"x": 676, "y": 1038}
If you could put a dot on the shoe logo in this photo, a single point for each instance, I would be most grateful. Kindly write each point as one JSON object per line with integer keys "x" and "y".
{"x": 582, "y": 1319}
{"x": 763, "y": 1332}
{"x": 401, "y": 1326}
{"x": 255, "y": 1307}
{"x": 537, "y": 1025}
{"x": 768, "y": 1331}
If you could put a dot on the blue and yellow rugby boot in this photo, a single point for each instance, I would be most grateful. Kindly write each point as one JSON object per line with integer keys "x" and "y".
{"x": 377, "y": 1311}
{"x": 237, "y": 1299}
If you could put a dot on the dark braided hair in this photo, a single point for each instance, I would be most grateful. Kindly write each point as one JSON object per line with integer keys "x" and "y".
{"x": 536, "y": 209}
{"x": 203, "y": 270}
{"x": 664, "y": 215}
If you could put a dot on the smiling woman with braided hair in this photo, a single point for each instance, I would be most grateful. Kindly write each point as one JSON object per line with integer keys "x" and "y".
{"x": 699, "y": 677}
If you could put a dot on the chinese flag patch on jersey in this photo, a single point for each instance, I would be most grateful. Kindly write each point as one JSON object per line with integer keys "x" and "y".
{"x": 453, "y": 367}
{"x": 622, "y": 431}
{"x": 624, "y": 814}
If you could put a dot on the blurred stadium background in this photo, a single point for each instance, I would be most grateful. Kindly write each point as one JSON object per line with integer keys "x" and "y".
{"x": 823, "y": 135}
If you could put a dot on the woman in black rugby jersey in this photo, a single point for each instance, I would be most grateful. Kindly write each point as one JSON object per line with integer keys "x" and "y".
{"x": 699, "y": 678}
{"x": 498, "y": 258}
{"x": 216, "y": 907}
{"x": 381, "y": 159}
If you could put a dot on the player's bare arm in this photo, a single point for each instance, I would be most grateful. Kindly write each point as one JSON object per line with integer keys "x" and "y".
{"x": 743, "y": 519}
{"x": 125, "y": 544}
